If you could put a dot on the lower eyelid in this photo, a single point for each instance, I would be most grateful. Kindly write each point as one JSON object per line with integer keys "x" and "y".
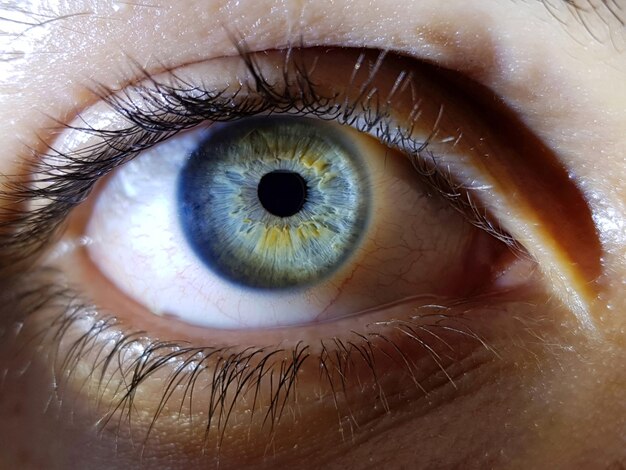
{"x": 405, "y": 355}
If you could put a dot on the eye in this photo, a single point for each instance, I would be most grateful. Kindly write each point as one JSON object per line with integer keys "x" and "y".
{"x": 299, "y": 218}
{"x": 184, "y": 194}
{"x": 272, "y": 221}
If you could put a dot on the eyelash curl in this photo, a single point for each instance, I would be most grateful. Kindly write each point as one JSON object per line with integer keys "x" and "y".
{"x": 155, "y": 112}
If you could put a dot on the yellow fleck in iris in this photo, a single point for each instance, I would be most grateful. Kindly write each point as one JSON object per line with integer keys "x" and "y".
{"x": 276, "y": 239}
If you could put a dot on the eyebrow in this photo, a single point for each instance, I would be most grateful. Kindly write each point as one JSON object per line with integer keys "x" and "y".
{"x": 601, "y": 19}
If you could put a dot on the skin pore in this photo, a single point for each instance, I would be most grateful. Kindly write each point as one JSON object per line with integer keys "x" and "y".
{"x": 542, "y": 388}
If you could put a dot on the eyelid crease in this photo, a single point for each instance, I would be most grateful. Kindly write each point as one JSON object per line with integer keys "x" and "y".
{"x": 548, "y": 196}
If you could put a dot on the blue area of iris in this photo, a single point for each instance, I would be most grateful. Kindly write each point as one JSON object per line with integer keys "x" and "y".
{"x": 221, "y": 207}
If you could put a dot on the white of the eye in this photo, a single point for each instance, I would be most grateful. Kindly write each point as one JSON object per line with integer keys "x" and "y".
{"x": 138, "y": 244}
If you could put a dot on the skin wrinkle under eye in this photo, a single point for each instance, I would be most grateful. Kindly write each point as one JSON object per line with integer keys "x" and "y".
{"x": 147, "y": 359}
{"x": 155, "y": 357}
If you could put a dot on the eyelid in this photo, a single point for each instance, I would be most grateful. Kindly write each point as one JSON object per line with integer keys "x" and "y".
{"x": 553, "y": 217}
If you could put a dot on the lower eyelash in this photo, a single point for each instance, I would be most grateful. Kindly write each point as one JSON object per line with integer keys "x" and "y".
{"x": 127, "y": 360}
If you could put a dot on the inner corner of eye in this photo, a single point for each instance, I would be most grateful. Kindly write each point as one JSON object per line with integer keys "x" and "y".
{"x": 273, "y": 221}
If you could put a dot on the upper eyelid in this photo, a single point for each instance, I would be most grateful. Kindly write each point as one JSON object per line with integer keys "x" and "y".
{"x": 13, "y": 16}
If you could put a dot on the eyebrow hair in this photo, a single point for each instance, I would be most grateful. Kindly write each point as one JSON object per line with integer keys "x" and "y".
{"x": 16, "y": 21}
{"x": 611, "y": 6}
{"x": 603, "y": 20}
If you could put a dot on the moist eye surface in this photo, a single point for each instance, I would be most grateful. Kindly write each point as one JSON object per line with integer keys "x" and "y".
{"x": 274, "y": 202}
{"x": 282, "y": 219}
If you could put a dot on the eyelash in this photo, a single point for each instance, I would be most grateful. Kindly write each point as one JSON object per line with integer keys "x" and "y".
{"x": 116, "y": 359}
{"x": 179, "y": 107}
{"x": 174, "y": 108}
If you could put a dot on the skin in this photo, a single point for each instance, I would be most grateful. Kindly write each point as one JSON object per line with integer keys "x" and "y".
{"x": 554, "y": 395}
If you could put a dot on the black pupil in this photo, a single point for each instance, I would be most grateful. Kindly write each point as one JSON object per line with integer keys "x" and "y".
{"x": 282, "y": 193}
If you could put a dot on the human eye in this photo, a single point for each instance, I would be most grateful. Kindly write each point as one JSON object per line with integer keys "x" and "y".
{"x": 188, "y": 228}
{"x": 447, "y": 262}
{"x": 341, "y": 336}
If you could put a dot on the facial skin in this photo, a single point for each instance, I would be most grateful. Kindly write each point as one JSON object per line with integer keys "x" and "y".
{"x": 547, "y": 392}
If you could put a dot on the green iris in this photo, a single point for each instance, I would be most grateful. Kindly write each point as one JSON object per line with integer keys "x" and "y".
{"x": 274, "y": 202}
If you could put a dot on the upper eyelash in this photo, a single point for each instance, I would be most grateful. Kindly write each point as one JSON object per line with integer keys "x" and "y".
{"x": 176, "y": 106}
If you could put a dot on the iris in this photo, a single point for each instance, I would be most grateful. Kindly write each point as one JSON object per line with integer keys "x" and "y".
{"x": 274, "y": 202}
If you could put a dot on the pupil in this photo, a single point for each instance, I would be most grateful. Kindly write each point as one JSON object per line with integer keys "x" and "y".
{"x": 282, "y": 193}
